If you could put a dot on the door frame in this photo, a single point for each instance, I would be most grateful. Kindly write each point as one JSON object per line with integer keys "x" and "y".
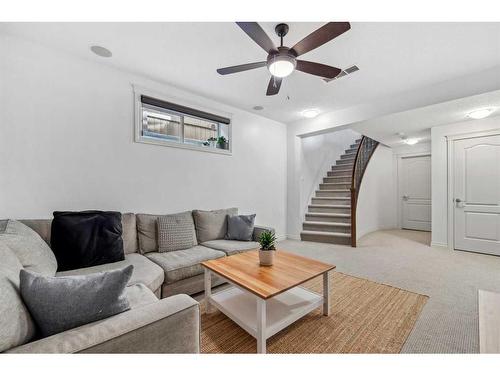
{"x": 399, "y": 160}
{"x": 450, "y": 139}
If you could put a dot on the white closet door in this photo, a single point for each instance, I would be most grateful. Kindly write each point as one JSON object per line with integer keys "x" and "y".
{"x": 476, "y": 199}
{"x": 415, "y": 188}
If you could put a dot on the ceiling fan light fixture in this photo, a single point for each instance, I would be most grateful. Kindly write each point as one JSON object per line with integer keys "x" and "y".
{"x": 281, "y": 66}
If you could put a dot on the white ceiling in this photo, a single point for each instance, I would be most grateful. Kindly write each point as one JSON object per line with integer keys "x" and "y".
{"x": 416, "y": 123}
{"x": 393, "y": 57}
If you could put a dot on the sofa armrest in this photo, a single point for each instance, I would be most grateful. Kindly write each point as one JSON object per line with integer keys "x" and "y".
{"x": 170, "y": 325}
{"x": 257, "y": 230}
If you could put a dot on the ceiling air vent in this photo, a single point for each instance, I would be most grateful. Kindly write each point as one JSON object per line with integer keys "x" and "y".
{"x": 343, "y": 73}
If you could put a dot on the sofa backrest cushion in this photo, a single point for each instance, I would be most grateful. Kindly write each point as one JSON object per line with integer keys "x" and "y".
{"x": 212, "y": 225}
{"x": 129, "y": 235}
{"x": 41, "y": 226}
{"x": 147, "y": 233}
{"x": 176, "y": 232}
{"x": 16, "y": 325}
{"x": 130, "y": 245}
{"x": 31, "y": 250}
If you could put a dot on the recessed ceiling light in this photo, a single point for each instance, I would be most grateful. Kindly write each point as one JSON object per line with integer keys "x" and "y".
{"x": 411, "y": 141}
{"x": 258, "y": 108}
{"x": 408, "y": 141}
{"x": 480, "y": 113}
{"x": 310, "y": 113}
{"x": 101, "y": 51}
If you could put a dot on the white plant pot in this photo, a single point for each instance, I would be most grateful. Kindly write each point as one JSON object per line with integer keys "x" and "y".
{"x": 266, "y": 257}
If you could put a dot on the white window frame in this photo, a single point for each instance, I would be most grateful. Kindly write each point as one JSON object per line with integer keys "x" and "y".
{"x": 138, "y": 138}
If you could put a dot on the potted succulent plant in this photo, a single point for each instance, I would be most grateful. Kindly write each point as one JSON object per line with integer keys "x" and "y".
{"x": 212, "y": 141}
{"x": 222, "y": 142}
{"x": 267, "y": 248}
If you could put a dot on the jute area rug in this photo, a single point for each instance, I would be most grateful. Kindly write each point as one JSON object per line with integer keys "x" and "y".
{"x": 366, "y": 317}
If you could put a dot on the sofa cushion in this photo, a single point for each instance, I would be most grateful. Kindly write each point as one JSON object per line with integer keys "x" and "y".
{"x": 86, "y": 238}
{"x": 231, "y": 247}
{"x": 240, "y": 227}
{"x": 139, "y": 295}
{"x": 176, "y": 232}
{"x": 129, "y": 233}
{"x": 145, "y": 272}
{"x": 181, "y": 264}
{"x": 31, "y": 250}
{"x": 40, "y": 226}
{"x": 212, "y": 225}
{"x": 16, "y": 325}
{"x": 147, "y": 233}
{"x": 61, "y": 303}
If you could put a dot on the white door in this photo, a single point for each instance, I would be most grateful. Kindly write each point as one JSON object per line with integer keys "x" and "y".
{"x": 476, "y": 198}
{"x": 415, "y": 192}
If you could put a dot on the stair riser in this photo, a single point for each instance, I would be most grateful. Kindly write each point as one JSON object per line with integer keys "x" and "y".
{"x": 354, "y": 147}
{"x": 325, "y": 228}
{"x": 341, "y": 186}
{"x": 333, "y": 194}
{"x": 324, "y": 239}
{"x": 336, "y": 172}
{"x": 346, "y": 163}
{"x": 351, "y": 151}
{"x": 312, "y": 217}
{"x": 347, "y": 156}
{"x": 317, "y": 200}
{"x": 337, "y": 179}
{"x": 330, "y": 210}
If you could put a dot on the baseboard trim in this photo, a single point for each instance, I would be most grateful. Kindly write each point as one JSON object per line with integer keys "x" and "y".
{"x": 439, "y": 244}
{"x": 281, "y": 237}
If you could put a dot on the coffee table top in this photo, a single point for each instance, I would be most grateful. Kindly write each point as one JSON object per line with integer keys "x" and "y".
{"x": 288, "y": 271}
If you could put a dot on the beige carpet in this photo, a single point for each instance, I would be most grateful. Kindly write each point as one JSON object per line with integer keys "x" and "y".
{"x": 366, "y": 317}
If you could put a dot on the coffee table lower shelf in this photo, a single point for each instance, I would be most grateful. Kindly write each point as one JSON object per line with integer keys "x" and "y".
{"x": 263, "y": 318}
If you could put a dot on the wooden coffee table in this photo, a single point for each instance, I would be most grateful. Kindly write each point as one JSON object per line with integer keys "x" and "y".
{"x": 264, "y": 300}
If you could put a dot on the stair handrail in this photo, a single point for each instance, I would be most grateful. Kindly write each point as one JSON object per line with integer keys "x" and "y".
{"x": 366, "y": 149}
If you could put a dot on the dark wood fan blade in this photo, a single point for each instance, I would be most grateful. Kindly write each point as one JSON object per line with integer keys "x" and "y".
{"x": 274, "y": 86}
{"x": 258, "y": 35}
{"x": 241, "y": 68}
{"x": 319, "y": 37}
{"x": 317, "y": 69}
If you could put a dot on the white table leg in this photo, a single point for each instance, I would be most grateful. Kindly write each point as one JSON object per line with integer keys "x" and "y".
{"x": 261, "y": 326}
{"x": 208, "y": 291}
{"x": 326, "y": 295}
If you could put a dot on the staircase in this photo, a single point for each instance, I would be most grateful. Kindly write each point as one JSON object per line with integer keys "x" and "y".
{"x": 329, "y": 215}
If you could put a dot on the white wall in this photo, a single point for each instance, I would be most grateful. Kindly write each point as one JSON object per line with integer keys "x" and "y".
{"x": 66, "y": 143}
{"x": 317, "y": 155}
{"x": 439, "y": 162}
{"x": 376, "y": 209}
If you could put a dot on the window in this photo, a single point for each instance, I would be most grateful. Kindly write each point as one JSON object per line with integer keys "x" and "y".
{"x": 170, "y": 124}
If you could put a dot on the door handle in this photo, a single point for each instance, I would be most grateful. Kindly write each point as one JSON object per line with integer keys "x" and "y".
{"x": 406, "y": 197}
{"x": 459, "y": 203}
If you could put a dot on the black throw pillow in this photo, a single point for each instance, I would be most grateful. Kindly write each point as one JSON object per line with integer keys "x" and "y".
{"x": 86, "y": 239}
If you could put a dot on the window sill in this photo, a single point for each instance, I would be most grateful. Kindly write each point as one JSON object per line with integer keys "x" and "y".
{"x": 183, "y": 146}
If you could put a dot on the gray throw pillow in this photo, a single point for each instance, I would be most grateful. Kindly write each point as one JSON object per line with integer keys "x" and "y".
{"x": 176, "y": 232}
{"x": 58, "y": 304}
{"x": 240, "y": 227}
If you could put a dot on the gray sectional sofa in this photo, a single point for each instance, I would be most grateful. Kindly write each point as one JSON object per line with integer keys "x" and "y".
{"x": 163, "y": 317}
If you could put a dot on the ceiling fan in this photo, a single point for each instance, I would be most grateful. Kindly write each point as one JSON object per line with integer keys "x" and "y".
{"x": 282, "y": 61}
